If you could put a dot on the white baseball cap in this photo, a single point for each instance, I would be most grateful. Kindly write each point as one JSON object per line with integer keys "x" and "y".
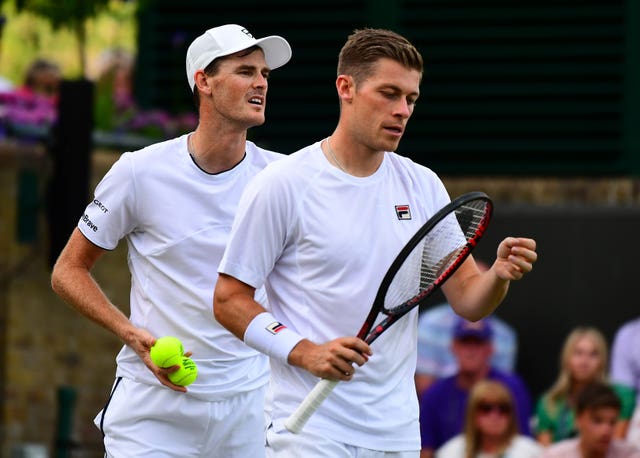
{"x": 231, "y": 38}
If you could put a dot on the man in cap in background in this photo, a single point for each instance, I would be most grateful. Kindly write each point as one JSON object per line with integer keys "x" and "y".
{"x": 174, "y": 203}
{"x": 443, "y": 404}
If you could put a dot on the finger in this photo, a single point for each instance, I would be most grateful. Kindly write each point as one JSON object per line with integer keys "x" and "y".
{"x": 357, "y": 345}
{"x": 343, "y": 373}
{"x": 176, "y": 387}
{"x": 526, "y": 243}
{"x": 344, "y": 367}
{"x": 525, "y": 253}
{"x": 524, "y": 260}
{"x": 166, "y": 382}
{"x": 517, "y": 268}
{"x": 165, "y": 371}
{"x": 524, "y": 265}
{"x": 356, "y": 357}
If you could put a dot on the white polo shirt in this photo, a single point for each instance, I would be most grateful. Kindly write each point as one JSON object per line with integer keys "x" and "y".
{"x": 176, "y": 220}
{"x": 321, "y": 241}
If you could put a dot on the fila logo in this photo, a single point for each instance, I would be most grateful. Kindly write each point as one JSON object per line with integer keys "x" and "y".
{"x": 403, "y": 212}
{"x": 246, "y": 32}
{"x": 275, "y": 327}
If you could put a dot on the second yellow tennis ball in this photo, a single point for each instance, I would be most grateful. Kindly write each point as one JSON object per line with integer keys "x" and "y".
{"x": 187, "y": 373}
{"x": 167, "y": 352}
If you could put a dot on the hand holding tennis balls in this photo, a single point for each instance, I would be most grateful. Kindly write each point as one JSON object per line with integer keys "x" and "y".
{"x": 187, "y": 373}
{"x": 167, "y": 352}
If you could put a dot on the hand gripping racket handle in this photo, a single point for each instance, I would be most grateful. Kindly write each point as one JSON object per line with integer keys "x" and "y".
{"x": 310, "y": 404}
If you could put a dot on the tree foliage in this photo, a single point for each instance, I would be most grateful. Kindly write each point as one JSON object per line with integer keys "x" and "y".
{"x": 71, "y": 14}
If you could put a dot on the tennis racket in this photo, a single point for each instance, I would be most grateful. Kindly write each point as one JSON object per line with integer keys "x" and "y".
{"x": 432, "y": 255}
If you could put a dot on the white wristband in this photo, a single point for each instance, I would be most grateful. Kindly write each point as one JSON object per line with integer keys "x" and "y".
{"x": 269, "y": 336}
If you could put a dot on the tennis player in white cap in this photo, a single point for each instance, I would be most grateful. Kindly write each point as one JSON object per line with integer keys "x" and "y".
{"x": 174, "y": 202}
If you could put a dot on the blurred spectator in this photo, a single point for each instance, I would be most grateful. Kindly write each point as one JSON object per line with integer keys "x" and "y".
{"x": 597, "y": 411}
{"x": 31, "y": 109}
{"x": 443, "y": 404}
{"x": 42, "y": 80}
{"x": 114, "y": 89}
{"x": 435, "y": 358}
{"x": 491, "y": 427}
{"x": 625, "y": 373}
{"x": 583, "y": 360}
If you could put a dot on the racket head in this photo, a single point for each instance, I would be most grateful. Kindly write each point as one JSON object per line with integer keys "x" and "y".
{"x": 429, "y": 258}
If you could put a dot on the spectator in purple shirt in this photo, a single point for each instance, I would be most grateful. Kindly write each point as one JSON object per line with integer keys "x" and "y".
{"x": 443, "y": 404}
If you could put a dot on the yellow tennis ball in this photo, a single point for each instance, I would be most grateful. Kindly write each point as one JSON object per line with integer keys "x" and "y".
{"x": 187, "y": 373}
{"x": 167, "y": 352}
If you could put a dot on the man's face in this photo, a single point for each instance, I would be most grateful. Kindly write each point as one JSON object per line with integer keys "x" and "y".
{"x": 382, "y": 105}
{"x": 596, "y": 427}
{"x": 239, "y": 89}
{"x": 472, "y": 353}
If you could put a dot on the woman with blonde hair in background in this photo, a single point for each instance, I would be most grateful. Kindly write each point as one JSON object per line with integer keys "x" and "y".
{"x": 491, "y": 427}
{"x": 584, "y": 359}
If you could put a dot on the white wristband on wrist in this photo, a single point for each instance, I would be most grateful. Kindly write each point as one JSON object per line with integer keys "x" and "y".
{"x": 269, "y": 336}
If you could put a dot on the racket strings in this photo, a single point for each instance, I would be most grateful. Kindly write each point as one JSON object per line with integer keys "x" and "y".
{"x": 430, "y": 260}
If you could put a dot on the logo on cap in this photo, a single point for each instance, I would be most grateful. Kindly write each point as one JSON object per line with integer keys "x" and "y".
{"x": 246, "y": 32}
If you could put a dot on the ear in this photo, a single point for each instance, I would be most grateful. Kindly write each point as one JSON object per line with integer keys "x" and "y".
{"x": 346, "y": 87}
{"x": 202, "y": 82}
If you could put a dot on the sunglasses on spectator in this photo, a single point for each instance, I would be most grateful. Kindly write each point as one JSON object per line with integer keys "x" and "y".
{"x": 497, "y": 407}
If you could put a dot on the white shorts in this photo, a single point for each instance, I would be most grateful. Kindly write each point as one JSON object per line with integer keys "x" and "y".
{"x": 284, "y": 444}
{"x": 150, "y": 421}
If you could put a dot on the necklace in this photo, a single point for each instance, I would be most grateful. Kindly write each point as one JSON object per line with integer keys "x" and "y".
{"x": 333, "y": 156}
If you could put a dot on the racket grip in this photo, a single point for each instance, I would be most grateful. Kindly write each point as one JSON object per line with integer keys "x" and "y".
{"x": 309, "y": 405}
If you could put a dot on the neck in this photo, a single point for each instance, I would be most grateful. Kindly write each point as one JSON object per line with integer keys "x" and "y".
{"x": 218, "y": 153}
{"x": 492, "y": 444}
{"x": 350, "y": 156}
{"x": 466, "y": 380}
{"x": 586, "y": 453}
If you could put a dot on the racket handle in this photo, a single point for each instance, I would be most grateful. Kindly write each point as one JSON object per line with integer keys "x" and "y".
{"x": 309, "y": 405}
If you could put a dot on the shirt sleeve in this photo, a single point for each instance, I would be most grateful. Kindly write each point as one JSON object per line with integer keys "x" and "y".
{"x": 260, "y": 230}
{"x": 543, "y": 422}
{"x": 112, "y": 213}
{"x": 627, "y": 398}
{"x": 623, "y": 369}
